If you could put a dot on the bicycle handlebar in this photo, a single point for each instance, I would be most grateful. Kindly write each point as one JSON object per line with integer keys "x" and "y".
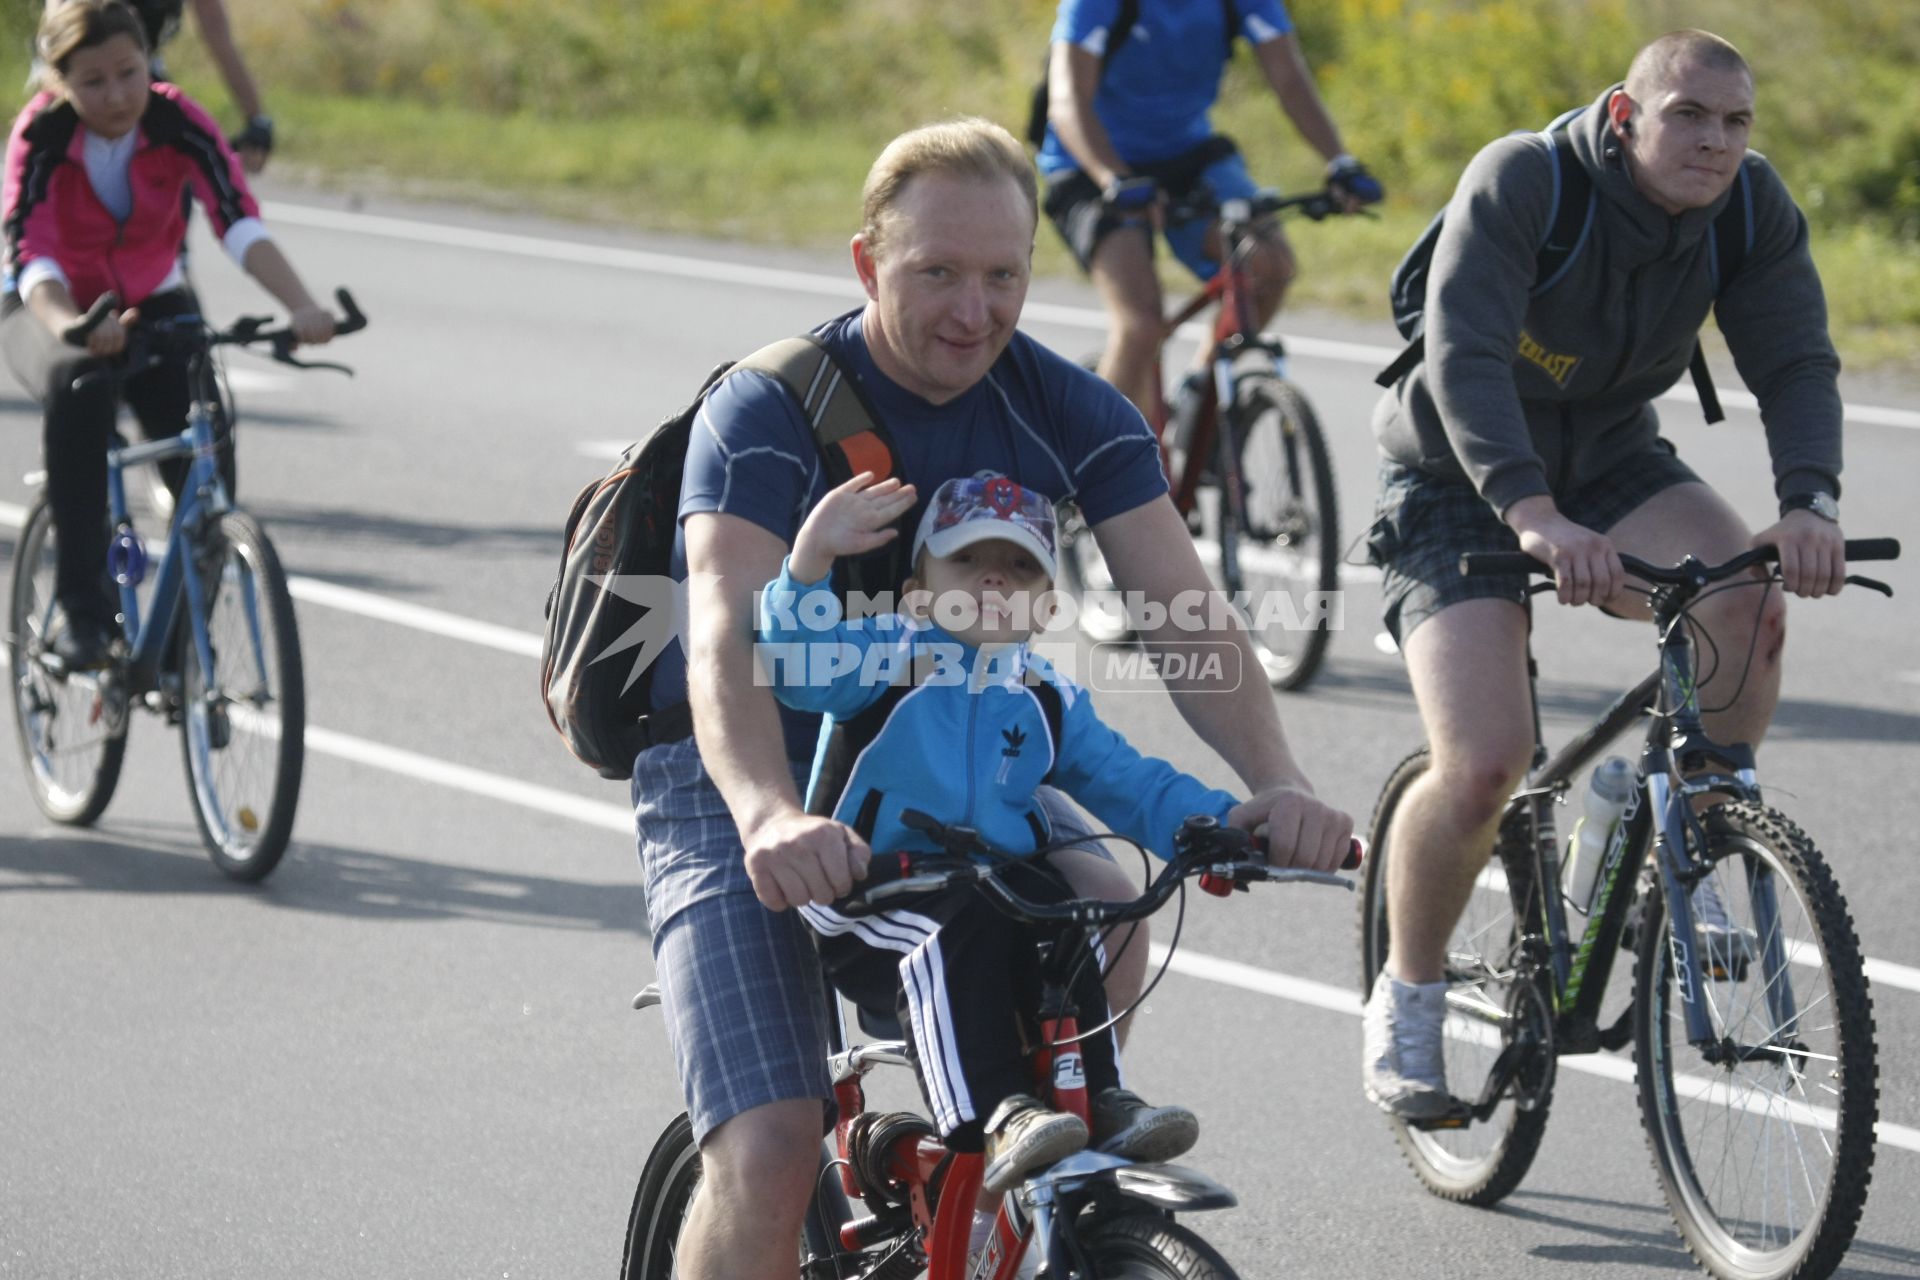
{"x": 1316, "y": 205}
{"x": 1224, "y": 855}
{"x": 149, "y": 338}
{"x": 1480, "y": 563}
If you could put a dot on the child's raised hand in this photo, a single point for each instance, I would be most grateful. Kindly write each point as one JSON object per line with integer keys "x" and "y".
{"x": 849, "y": 521}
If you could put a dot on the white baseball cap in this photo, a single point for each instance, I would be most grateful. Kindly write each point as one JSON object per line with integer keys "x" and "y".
{"x": 981, "y": 508}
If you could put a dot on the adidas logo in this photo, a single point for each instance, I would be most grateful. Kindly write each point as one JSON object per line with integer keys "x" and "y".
{"x": 1016, "y": 738}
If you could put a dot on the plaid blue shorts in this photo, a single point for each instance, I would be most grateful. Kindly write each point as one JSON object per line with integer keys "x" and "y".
{"x": 1422, "y": 523}
{"x": 745, "y": 1001}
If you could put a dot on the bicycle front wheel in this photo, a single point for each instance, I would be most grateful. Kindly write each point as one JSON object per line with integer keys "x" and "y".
{"x": 1141, "y": 1246}
{"x": 1763, "y": 1137}
{"x": 1288, "y": 529}
{"x": 243, "y": 727}
{"x": 72, "y": 728}
{"x": 1492, "y": 1002}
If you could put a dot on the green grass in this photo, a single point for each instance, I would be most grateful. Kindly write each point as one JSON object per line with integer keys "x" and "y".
{"x": 799, "y": 186}
{"x": 755, "y": 120}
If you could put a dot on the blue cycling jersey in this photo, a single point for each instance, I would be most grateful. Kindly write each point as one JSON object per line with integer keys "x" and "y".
{"x": 1157, "y": 91}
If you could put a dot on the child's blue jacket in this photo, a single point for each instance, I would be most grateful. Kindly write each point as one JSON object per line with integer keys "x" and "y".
{"x": 966, "y": 738}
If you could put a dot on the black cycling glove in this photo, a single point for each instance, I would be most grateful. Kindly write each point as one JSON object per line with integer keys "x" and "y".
{"x": 258, "y": 133}
{"x": 1348, "y": 177}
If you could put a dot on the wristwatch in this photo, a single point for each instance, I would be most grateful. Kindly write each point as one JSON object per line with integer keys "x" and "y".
{"x": 1820, "y": 503}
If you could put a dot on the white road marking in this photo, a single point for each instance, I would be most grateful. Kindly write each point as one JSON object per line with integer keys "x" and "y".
{"x": 367, "y": 605}
{"x": 526, "y": 644}
{"x": 1232, "y": 973}
{"x": 1343, "y": 1000}
{"x": 844, "y": 287}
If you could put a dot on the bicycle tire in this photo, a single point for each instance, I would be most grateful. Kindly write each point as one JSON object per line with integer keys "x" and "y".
{"x": 1689, "y": 1106}
{"x": 1482, "y": 1163}
{"x": 1084, "y": 576}
{"x": 668, "y": 1182}
{"x": 1288, "y": 530}
{"x": 243, "y": 732}
{"x": 1145, "y": 1246}
{"x": 71, "y": 779}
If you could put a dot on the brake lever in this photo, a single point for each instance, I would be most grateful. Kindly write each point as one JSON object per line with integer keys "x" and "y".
{"x": 1871, "y": 584}
{"x": 283, "y": 348}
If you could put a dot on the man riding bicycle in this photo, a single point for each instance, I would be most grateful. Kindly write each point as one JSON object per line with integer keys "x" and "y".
{"x": 727, "y": 848}
{"x": 1128, "y": 133}
{"x": 1530, "y": 426}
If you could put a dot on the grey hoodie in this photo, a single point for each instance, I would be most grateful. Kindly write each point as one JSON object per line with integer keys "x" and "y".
{"x": 1524, "y": 396}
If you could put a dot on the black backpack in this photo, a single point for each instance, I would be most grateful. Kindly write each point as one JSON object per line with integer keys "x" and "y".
{"x": 612, "y": 607}
{"x": 1117, "y": 36}
{"x": 1569, "y": 226}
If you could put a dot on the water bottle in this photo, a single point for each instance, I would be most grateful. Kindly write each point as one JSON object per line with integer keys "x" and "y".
{"x": 1607, "y": 792}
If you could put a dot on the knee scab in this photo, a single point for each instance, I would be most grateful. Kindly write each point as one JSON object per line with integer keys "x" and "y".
{"x": 1773, "y": 632}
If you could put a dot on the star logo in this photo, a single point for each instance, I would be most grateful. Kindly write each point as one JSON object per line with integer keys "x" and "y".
{"x": 662, "y": 605}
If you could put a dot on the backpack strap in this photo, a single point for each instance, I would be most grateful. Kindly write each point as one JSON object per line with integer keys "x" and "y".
{"x": 1570, "y": 218}
{"x": 1727, "y": 247}
{"x": 1570, "y": 221}
{"x": 851, "y": 439}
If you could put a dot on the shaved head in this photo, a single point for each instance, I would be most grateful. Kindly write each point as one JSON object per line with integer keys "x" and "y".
{"x": 1655, "y": 66}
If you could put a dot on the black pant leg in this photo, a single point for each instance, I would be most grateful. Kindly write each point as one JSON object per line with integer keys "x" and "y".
{"x": 76, "y": 428}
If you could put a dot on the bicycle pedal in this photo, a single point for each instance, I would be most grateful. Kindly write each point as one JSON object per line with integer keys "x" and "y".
{"x": 1459, "y": 1116}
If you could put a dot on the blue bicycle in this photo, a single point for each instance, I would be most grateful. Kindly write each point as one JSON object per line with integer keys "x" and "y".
{"x": 208, "y": 634}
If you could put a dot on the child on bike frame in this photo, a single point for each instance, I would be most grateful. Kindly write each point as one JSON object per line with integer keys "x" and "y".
{"x": 941, "y": 709}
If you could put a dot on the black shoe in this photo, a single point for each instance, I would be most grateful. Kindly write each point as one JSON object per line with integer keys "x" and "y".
{"x": 84, "y": 643}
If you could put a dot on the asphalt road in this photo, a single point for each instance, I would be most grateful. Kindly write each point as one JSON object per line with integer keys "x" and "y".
{"x": 409, "y": 1052}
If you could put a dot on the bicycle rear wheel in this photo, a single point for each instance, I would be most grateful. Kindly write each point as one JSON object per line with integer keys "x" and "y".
{"x": 1084, "y": 576}
{"x": 243, "y": 727}
{"x": 1764, "y": 1157}
{"x": 1141, "y": 1246}
{"x": 1492, "y": 1001}
{"x": 1288, "y": 529}
{"x": 668, "y": 1183}
{"x": 73, "y": 728}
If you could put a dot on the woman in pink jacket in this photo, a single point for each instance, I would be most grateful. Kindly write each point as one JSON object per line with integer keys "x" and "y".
{"x": 96, "y": 168}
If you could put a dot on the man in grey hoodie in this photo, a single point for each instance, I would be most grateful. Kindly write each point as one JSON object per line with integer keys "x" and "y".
{"x": 1530, "y": 424}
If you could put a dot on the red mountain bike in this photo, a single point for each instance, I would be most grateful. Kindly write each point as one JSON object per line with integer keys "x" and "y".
{"x": 1255, "y": 482}
{"x": 1094, "y": 1216}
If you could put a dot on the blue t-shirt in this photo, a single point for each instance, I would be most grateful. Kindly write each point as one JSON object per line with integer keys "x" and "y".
{"x": 1051, "y": 425}
{"x": 1157, "y": 91}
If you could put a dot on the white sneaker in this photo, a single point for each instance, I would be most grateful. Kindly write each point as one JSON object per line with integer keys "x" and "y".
{"x": 1726, "y": 947}
{"x": 1402, "y": 1065}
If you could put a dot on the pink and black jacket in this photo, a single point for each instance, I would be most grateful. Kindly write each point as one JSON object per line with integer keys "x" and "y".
{"x": 53, "y": 217}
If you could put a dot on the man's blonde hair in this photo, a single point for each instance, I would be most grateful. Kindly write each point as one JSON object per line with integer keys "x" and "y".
{"x": 964, "y": 148}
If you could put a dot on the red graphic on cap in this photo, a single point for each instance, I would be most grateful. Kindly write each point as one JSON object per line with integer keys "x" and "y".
{"x": 1003, "y": 495}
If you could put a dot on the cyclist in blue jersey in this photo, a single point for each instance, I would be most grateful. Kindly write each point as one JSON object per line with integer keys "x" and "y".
{"x": 1128, "y": 130}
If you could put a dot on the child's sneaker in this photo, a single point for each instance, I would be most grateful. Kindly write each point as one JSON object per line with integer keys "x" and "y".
{"x": 1023, "y": 1136}
{"x": 1124, "y": 1125}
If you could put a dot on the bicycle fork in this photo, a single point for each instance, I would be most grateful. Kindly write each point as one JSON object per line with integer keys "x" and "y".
{"x": 1679, "y": 877}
